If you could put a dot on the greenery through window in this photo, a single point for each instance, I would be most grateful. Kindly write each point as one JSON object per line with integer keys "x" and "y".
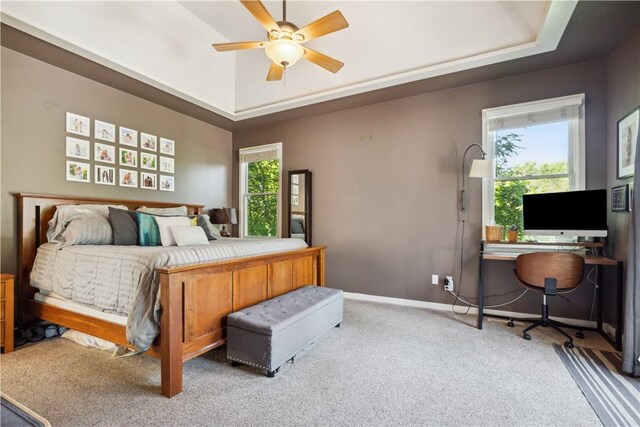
{"x": 263, "y": 185}
{"x": 528, "y": 160}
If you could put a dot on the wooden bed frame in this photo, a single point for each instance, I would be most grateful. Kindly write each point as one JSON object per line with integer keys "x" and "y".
{"x": 195, "y": 299}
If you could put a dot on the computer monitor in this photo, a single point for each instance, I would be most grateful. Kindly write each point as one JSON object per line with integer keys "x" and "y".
{"x": 572, "y": 213}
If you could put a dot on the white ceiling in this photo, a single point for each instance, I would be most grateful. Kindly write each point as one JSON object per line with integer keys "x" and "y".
{"x": 168, "y": 44}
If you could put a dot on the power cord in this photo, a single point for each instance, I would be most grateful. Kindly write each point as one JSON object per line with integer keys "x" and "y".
{"x": 457, "y": 294}
{"x": 469, "y": 304}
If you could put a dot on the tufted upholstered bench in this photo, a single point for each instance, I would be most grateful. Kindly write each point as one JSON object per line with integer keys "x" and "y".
{"x": 271, "y": 333}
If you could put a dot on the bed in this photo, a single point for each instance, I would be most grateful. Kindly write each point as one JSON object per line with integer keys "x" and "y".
{"x": 194, "y": 301}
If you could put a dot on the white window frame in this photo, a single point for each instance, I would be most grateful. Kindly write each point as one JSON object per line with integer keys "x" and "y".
{"x": 243, "y": 181}
{"x": 576, "y": 157}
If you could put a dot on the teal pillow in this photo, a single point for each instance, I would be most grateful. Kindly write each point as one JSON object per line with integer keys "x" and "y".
{"x": 149, "y": 233}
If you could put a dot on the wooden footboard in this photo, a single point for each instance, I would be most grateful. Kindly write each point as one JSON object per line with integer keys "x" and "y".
{"x": 195, "y": 300}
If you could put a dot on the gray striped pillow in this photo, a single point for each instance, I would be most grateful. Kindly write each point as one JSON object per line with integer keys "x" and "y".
{"x": 87, "y": 229}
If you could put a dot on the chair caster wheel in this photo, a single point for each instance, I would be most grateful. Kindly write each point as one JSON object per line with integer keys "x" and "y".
{"x": 568, "y": 344}
{"x": 510, "y": 323}
{"x": 526, "y": 337}
{"x": 579, "y": 334}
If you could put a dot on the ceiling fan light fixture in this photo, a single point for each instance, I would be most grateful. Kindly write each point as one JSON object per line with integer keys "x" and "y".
{"x": 284, "y": 52}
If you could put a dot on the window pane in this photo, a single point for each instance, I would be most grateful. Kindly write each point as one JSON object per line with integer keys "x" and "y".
{"x": 532, "y": 150}
{"x": 262, "y": 215}
{"x": 508, "y": 198}
{"x": 263, "y": 176}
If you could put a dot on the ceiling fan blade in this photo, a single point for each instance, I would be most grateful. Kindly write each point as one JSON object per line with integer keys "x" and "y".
{"x": 275, "y": 72}
{"x": 223, "y": 47}
{"x": 261, "y": 13}
{"x": 326, "y": 62}
{"x": 334, "y": 21}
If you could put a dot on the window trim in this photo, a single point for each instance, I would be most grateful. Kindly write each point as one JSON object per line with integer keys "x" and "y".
{"x": 576, "y": 156}
{"x": 243, "y": 171}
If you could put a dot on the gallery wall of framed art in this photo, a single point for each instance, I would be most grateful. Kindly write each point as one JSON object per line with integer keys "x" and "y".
{"x": 117, "y": 155}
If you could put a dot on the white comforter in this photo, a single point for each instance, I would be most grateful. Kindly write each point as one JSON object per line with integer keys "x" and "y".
{"x": 122, "y": 279}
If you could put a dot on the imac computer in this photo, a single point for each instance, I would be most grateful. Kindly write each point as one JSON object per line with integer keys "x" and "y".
{"x": 572, "y": 213}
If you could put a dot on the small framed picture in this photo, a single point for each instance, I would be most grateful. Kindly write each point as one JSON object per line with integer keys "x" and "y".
{"x": 128, "y": 137}
{"x": 167, "y": 183}
{"x": 148, "y": 161}
{"x": 294, "y": 189}
{"x": 167, "y": 164}
{"x": 78, "y": 148}
{"x": 627, "y": 139}
{"x": 77, "y": 171}
{"x": 128, "y": 178}
{"x": 104, "y": 152}
{"x": 294, "y": 179}
{"x": 128, "y": 157}
{"x": 148, "y": 142}
{"x": 105, "y": 131}
{"x": 294, "y": 200}
{"x": 148, "y": 180}
{"x": 78, "y": 124}
{"x": 104, "y": 175}
{"x": 167, "y": 146}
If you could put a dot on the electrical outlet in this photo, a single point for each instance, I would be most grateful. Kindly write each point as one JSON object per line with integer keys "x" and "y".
{"x": 435, "y": 279}
{"x": 448, "y": 283}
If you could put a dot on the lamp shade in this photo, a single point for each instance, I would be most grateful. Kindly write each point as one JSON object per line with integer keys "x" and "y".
{"x": 481, "y": 168}
{"x": 219, "y": 216}
{"x": 284, "y": 52}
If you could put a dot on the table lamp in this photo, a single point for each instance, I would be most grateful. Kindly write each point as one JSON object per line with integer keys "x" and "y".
{"x": 223, "y": 216}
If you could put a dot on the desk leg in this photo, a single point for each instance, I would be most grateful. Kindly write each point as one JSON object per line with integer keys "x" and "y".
{"x": 600, "y": 305}
{"x": 620, "y": 297}
{"x": 480, "y": 289}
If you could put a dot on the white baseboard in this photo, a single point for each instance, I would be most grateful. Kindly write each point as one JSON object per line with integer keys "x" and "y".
{"x": 609, "y": 330}
{"x": 447, "y": 307}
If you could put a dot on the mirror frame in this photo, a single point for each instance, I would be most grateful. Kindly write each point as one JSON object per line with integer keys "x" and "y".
{"x": 307, "y": 203}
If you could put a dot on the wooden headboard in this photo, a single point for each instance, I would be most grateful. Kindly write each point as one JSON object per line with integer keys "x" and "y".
{"x": 36, "y": 210}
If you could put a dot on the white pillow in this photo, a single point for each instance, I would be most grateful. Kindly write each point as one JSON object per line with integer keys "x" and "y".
{"x": 174, "y": 211}
{"x": 189, "y": 236}
{"x": 164, "y": 225}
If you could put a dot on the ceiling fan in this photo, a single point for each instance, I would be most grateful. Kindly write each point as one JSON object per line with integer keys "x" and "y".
{"x": 284, "y": 44}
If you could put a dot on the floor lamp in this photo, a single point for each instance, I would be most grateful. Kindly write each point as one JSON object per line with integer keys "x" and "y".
{"x": 480, "y": 168}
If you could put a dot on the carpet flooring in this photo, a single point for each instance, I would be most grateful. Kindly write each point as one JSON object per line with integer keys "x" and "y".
{"x": 386, "y": 365}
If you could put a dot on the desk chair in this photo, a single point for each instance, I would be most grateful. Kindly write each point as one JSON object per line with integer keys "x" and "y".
{"x": 551, "y": 273}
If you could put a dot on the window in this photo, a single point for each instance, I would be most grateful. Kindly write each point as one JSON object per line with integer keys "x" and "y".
{"x": 535, "y": 147}
{"x": 260, "y": 184}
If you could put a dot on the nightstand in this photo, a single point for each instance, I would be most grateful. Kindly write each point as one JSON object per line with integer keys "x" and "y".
{"x": 6, "y": 312}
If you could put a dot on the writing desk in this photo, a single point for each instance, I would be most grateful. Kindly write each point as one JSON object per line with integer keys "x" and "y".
{"x": 598, "y": 261}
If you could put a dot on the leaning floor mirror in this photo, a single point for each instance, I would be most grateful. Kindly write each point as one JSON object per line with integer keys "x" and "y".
{"x": 300, "y": 205}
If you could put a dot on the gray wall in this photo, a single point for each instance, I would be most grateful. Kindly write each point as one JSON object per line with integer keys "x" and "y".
{"x": 386, "y": 180}
{"x": 623, "y": 95}
{"x": 35, "y": 98}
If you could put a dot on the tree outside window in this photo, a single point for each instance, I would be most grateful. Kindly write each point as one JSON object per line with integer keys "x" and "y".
{"x": 259, "y": 179}
{"x": 516, "y": 177}
{"x": 263, "y": 183}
